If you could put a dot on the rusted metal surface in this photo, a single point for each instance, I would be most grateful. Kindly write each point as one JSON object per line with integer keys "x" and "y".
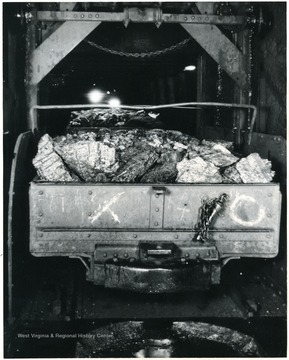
{"x": 222, "y": 50}
{"x": 48, "y": 54}
{"x": 199, "y": 276}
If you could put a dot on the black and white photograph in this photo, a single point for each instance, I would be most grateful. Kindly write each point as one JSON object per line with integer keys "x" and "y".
{"x": 144, "y": 179}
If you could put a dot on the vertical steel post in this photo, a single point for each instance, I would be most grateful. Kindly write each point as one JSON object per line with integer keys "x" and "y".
{"x": 31, "y": 89}
{"x": 243, "y": 96}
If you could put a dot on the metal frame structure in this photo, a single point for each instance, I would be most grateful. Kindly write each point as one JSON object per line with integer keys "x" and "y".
{"x": 71, "y": 27}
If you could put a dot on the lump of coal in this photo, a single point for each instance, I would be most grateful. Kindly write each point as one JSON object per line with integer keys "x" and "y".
{"x": 137, "y": 166}
{"x": 197, "y": 170}
{"x": 162, "y": 173}
{"x": 232, "y": 175}
{"x": 220, "y": 159}
{"x": 48, "y": 163}
{"x": 87, "y": 158}
{"x": 252, "y": 169}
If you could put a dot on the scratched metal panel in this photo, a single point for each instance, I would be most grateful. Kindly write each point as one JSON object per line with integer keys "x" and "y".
{"x": 89, "y": 206}
{"x": 249, "y": 206}
{"x": 72, "y": 219}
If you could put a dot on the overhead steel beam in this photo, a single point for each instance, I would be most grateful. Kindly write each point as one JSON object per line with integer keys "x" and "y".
{"x": 222, "y": 50}
{"x": 140, "y": 16}
{"x": 57, "y": 46}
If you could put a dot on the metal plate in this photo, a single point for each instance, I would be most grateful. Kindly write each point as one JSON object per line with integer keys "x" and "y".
{"x": 74, "y": 218}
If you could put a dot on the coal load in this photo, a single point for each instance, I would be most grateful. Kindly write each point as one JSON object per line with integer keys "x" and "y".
{"x": 114, "y": 118}
{"x": 144, "y": 156}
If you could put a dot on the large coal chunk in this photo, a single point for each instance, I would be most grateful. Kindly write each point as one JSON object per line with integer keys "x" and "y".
{"x": 137, "y": 166}
{"x": 252, "y": 169}
{"x": 197, "y": 170}
{"x": 49, "y": 165}
{"x": 88, "y": 158}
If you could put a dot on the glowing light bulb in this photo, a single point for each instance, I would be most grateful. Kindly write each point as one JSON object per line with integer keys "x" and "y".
{"x": 95, "y": 96}
{"x": 114, "y": 102}
{"x": 190, "y": 68}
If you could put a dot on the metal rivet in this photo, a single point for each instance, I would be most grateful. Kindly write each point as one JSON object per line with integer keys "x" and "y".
{"x": 157, "y": 209}
{"x": 185, "y": 18}
{"x": 183, "y": 259}
{"x": 206, "y": 18}
{"x": 90, "y": 16}
{"x": 40, "y": 214}
{"x": 96, "y": 15}
{"x": 193, "y": 18}
{"x": 176, "y": 236}
{"x": 89, "y": 214}
{"x": 125, "y": 255}
{"x": 135, "y": 235}
{"x": 187, "y": 255}
{"x": 82, "y": 15}
{"x": 40, "y": 192}
{"x": 268, "y": 236}
{"x": 90, "y": 192}
{"x": 157, "y": 195}
{"x": 269, "y": 215}
{"x": 115, "y": 255}
{"x": 221, "y": 235}
{"x": 269, "y": 194}
{"x": 197, "y": 255}
{"x": 199, "y": 18}
{"x": 105, "y": 255}
{"x": 75, "y": 16}
{"x": 156, "y": 223}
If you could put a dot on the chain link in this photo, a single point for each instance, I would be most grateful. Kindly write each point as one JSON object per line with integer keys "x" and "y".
{"x": 141, "y": 55}
{"x": 207, "y": 211}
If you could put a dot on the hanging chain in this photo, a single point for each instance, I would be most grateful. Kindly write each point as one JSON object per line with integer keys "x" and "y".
{"x": 141, "y": 55}
{"x": 207, "y": 211}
